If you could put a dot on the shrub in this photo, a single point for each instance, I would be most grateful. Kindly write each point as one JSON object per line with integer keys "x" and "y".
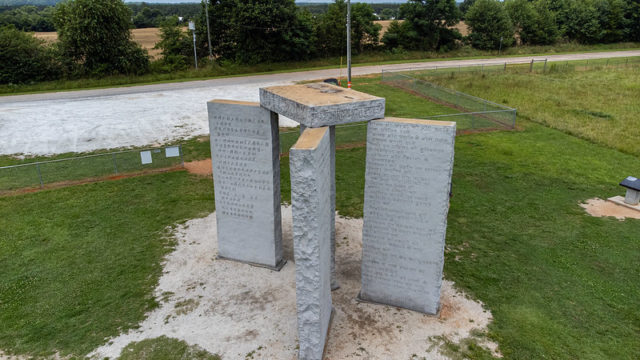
{"x": 489, "y": 23}
{"x": 24, "y": 58}
{"x": 96, "y": 35}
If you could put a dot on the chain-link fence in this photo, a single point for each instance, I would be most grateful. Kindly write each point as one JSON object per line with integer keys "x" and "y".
{"x": 90, "y": 167}
{"x": 521, "y": 66}
{"x": 475, "y": 113}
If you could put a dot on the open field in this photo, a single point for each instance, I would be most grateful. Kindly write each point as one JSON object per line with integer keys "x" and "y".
{"x": 147, "y": 38}
{"x": 461, "y": 26}
{"x": 601, "y": 106}
{"x": 79, "y": 264}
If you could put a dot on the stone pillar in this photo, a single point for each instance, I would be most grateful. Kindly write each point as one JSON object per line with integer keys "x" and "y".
{"x": 310, "y": 164}
{"x": 332, "y": 148}
{"x": 332, "y": 134}
{"x": 246, "y": 171}
{"x": 407, "y": 185}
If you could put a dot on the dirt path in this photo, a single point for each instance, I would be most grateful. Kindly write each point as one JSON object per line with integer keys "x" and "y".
{"x": 599, "y": 208}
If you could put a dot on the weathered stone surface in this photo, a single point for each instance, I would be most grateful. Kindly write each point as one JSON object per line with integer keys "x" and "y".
{"x": 246, "y": 171}
{"x": 310, "y": 165}
{"x": 407, "y": 185}
{"x": 321, "y": 104}
{"x": 332, "y": 133}
{"x": 332, "y": 147}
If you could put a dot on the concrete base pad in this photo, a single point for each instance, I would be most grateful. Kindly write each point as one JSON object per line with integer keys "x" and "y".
{"x": 619, "y": 200}
{"x": 366, "y": 301}
{"x": 278, "y": 266}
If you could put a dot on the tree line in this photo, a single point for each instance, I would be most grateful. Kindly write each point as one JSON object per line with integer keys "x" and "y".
{"x": 143, "y": 15}
{"x": 264, "y": 31}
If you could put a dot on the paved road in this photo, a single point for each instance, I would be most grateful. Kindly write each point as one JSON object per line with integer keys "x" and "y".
{"x": 309, "y": 75}
{"x": 78, "y": 121}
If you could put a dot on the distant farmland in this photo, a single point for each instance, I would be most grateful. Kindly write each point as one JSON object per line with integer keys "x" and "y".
{"x": 461, "y": 26}
{"x": 147, "y": 38}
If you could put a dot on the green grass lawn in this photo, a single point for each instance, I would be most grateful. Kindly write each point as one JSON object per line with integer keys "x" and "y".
{"x": 79, "y": 264}
{"x": 599, "y": 105}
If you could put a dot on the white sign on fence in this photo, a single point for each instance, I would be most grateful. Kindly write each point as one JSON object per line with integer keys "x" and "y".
{"x": 145, "y": 156}
{"x": 173, "y": 151}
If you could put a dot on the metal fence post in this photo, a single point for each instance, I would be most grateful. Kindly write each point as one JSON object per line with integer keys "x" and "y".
{"x": 40, "y": 176}
{"x": 531, "y": 66}
{"x": 545, "y": 66}
{"x": 181, "y": 157}
{"x": 505, "y": 66}
{"x": 115, "y": 164}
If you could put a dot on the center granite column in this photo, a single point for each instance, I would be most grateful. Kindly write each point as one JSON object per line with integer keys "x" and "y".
{"x": 317, "y": 105}
{"x": 310, "y": 164}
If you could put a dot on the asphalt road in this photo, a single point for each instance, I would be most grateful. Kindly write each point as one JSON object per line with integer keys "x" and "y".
{"x": 308, "y": 75}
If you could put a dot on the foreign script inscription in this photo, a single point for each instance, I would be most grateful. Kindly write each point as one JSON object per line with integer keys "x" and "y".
{"x": 245, "y": 158}
{"x": 407, "y": 186}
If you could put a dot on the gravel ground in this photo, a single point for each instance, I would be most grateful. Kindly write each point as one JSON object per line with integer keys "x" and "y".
{"x": 233, "y": 309}
{"x": 49, "y": 127}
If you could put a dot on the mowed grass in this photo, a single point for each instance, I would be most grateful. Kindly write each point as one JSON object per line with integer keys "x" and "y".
{"x": 599, "y": 105}
{"x": 79, "y": 264}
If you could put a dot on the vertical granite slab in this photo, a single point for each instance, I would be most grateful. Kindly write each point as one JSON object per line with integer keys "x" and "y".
{"x": 246, "y": 172}
{"x": 310, "y": 164}
{"x": 332, "y": 148}
{"x": 407, "y": 183}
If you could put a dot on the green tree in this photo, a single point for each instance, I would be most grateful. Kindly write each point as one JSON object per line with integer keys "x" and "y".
{"x": 489, "y": 23}
{"x": 364, "y": 32}
{"x": 611, "y": 15}
{"x": 331, "y": 28}
{"x": 94, "y": 34}
{"x": 429, "y": 24}
{"x": 175, "y": 45}
{"x": 255, "y": 31}
{"x": 388, "y": 14}
{"x": 28, "y": 18}
{"x": 533, "y": 21}
{"x": 633, "y": 20}
{"x": 395, "y": 35}
{"x": 582, "y": 23}
{"x": 465, "y": 5}
{"x": 24, "y": 58}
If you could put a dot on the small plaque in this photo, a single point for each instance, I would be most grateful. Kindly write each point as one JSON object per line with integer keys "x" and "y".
{"x": 145, "y": 157}
{"x": 173, "y": 151}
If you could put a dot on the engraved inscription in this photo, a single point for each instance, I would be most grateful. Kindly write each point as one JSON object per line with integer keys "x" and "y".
{"x": 237, "y": 146}
{"x": 408, "y": 178}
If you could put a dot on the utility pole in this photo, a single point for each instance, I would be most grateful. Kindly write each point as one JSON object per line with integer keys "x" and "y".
{"x": 192, "y": 27}
{"x": 349, "y": 44}
{"x": 206, "y": 10}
